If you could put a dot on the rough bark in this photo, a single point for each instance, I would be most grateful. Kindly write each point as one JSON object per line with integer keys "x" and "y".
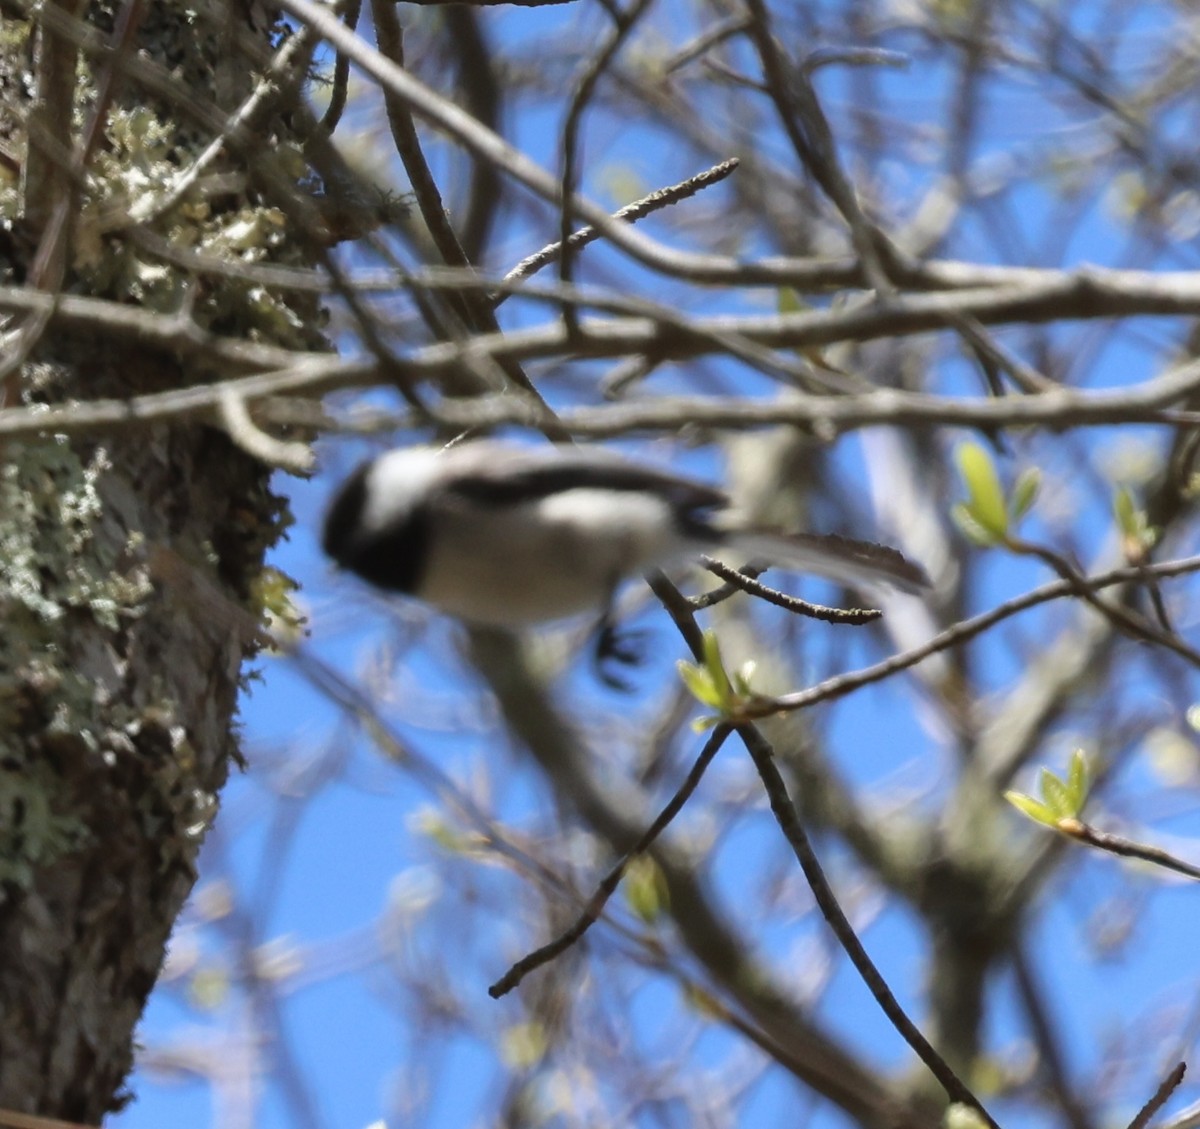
{"x": 127, "y": 569}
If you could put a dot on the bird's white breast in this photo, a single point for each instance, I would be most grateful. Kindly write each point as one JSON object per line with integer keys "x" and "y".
{"x": 544, "y": 559}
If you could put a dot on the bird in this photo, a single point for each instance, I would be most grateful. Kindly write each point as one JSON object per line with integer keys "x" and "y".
{"x": 502, "y": 534}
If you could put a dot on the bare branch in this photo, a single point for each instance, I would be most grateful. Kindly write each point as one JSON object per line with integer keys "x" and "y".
{"x": 1160, "y": 1097}
{"x": 631, "y": 213}
{"x": 788, "y": 819}
{"x": 610, "y": 882}
{"x": 855, "y": 617}
{"x": 341, "y": 74}
{"x": 295, "y": 457}
{"x": 843, "y": 684}
{"x": 1127, "y": 848}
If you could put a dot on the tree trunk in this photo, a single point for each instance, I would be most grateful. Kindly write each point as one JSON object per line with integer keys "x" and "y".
{"x": 126, "y": 570}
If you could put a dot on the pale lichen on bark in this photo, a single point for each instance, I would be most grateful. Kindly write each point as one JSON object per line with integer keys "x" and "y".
{"x": 118, "y": 690}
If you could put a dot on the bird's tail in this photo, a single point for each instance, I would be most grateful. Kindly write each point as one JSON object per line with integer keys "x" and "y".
{"x": 842, "y": 559}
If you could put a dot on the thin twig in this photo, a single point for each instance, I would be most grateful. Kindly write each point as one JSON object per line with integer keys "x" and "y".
{"x": 623, "y": 24}
{"x": 390, "y": 37}
{"x": 793, "y": 830}
{"x": 341, "y": 74}
{"x": 473, "y": 308}
{"x": 1168, "y": 1086}
{"x": 1126, "y": 848}
{"x": 722, "y": 593}
{"x": 631, "y": 213}
{"x": 989, "y": 350}
{"x": 294, "y": 456}
{"x": 851, "y": 616}
{"x": 843, "y": 684}
{"x": 607, "y": 887}
{"x": 706, "y": 40}
{"x": 1124, "y": 620}
{"x": 808, "y": 130}
{"x": 482, "y": 86}
{"x": 790, "y": 824}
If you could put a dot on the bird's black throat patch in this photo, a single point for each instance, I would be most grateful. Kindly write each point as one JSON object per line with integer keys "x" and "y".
{"x": 391, "y": 558}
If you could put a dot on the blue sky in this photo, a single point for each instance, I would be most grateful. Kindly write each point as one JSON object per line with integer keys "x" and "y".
{"x": 327, "y": 860}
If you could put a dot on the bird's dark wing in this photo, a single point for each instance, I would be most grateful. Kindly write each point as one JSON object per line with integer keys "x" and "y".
{"x": 501, "y": 475}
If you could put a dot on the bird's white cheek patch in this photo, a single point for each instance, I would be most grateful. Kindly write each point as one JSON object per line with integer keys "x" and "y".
{"x": 398, "y": 480}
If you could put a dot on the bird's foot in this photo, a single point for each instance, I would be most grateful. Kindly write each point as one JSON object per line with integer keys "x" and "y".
{"x": 617, "y": 647}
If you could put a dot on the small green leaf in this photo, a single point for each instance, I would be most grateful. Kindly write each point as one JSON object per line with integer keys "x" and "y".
{"x": 1126, "y": 512}
{"x": 1055, "y": 795}
{"x": 742, "y": 677}
{"x": 1077, "y": 781}
{"x": 523, "y": 1045}
{"x": 699, "y": 682}
{"x": 646, "y": 889}
{"x": 985, "y": 495}
{"x": 209, "y": 987}
{"x": 711, "y": 685}
{"x": 716, "y": 668}
{"x": 962, "y": 1116}
{"x": 431, "y": 823}
{"x": 1025, "y": 491}
{"x": 972, "y": 530}
{"x": 789, "y": 301}
{"x": 1035, "y": 809}
{"x": 1137, "y": 533}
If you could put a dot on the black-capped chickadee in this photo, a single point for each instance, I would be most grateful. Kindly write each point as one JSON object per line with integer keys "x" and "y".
{"x": 507, "y": 536}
